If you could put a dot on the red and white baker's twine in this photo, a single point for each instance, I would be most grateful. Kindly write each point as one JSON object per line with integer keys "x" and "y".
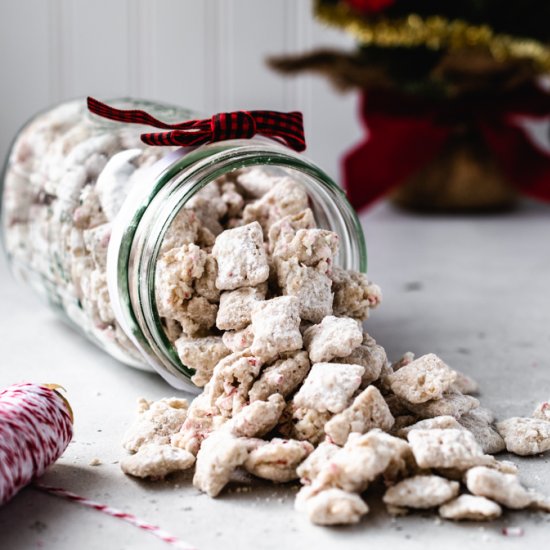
{"x": 35, "y": 428}
{"x": 114, "y": 512}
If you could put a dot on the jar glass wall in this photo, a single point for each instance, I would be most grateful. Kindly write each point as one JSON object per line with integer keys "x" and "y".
{"x": 86, "y": 208}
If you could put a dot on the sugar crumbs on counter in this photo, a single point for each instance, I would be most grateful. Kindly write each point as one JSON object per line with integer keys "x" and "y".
{"x": 252, "y": 300}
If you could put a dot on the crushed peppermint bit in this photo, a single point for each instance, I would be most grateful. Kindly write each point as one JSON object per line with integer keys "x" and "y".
{"x": 513, "y": 531}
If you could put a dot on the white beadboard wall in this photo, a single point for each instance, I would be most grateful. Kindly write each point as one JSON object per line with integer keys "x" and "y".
{"x": 204, "y": 54}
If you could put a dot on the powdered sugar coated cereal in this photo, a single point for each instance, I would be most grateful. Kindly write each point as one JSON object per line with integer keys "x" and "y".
{"x": 276, "y": 327}
{"x": 422, "y": 491}
{"x": 449, "y": 448}
{"x": 468, "y": 507}
{"x": 329, "y": 387}
{"x": 333, "y": 337}
{"x": 278, "y": 459}
{"x": 156, "y": 461}
{"x": 241, "y": 257}
{"x": 368, "y": 410}
{"x": 424, "y": 379}
{"x": 525, "y": 436}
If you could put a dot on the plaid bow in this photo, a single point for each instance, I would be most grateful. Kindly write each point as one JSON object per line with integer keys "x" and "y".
{"x": 287, "y": 127}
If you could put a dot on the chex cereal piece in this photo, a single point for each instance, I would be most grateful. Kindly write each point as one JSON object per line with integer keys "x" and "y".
{"x": 235, "y": 308}
{"x": 503, "y": 488}
{"x": 238, "y": 340}
{"x": 311, "y": 287}
{"x": 332, "y": 507}
{"x": 310, "y": 247}
{"x": 422, "y": 491}
{"x": 201, "y": 420}
{"x": 333, "y": 337}
{"x": 542, "y": 411}
{"x": 354, "y": 294}
{"x": 208, "y": 198}
{"x": 525, "y": 436}
{"x": 183, "y": 230}
{"x": 276, "y": 326}
{"x": 369, "y": 355}
{"x": 368, "y": 410}
{"x": 437, "y": 422}
{"x": 361, "y": 461}
{"x": 258, "y": 418}
{"x": 231, "y": 381}
{"x": 477, "y": 421}
{"x": 209, "y": 208}
{"x": 424, "y": 379}
{"x": 304, "y": 423}
{"x": 389, "y": 368}
{"x": 196, "y": 315}
{"x": 283, "y": 376}
{"x": 156, "y": 461}
{"x": 201, "y": 354}
{"x": 313, "y": 464}
{"x": 175, "y": 272}
{"x": 470, "y": 507}
{"x": 256, "y": 182}
{"x": 283, "y": 231}
{"x": 241, "y": 257}
{"x": 452, "y": 403}
{"x": 278, "y": 459}
{"x": 329, "y": 387}
{"x": 286, "y": 198}
{"x": 156, "y": 422}
{"x": 220, "y": 454}
{"x": 449, "y": 448}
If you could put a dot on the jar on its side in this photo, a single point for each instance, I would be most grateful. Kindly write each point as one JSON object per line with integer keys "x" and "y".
{"x": 86, "y": 207}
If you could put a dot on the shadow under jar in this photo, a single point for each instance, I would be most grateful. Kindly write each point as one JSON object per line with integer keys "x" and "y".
{"x": 86, "y": 207}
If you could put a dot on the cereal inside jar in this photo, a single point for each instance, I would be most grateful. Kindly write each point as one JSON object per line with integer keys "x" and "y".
{"x": 179, "y": 258}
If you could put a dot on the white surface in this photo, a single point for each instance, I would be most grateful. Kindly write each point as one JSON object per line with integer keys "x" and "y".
{"x": 207, "y": 55}
{"x": 473, "y": 289}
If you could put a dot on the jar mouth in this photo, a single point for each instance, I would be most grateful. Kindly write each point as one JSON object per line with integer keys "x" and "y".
{"x": 149, "y": 211}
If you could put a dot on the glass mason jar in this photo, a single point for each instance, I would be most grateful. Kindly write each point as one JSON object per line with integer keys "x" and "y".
{"x": 86, "y": 206}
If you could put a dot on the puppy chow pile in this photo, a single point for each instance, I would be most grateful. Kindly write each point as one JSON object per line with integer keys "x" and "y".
{"x": 293, "y": 389}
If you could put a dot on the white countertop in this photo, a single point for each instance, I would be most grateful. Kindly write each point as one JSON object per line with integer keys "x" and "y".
{"x": 475, "y": 290}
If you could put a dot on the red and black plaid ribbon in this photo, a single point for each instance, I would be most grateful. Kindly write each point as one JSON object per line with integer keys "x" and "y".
{"x": 287, "y": 127}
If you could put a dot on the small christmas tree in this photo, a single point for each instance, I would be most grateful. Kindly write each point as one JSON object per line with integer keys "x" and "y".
{"x": 445, "y": 85}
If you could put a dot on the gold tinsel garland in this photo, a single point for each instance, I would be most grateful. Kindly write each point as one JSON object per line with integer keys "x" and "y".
{"x": 435, "y": 33}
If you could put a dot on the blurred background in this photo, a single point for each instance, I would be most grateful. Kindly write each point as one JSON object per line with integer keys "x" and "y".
{"x": 455, "y": 95}
{"x": 207, "y": 55}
